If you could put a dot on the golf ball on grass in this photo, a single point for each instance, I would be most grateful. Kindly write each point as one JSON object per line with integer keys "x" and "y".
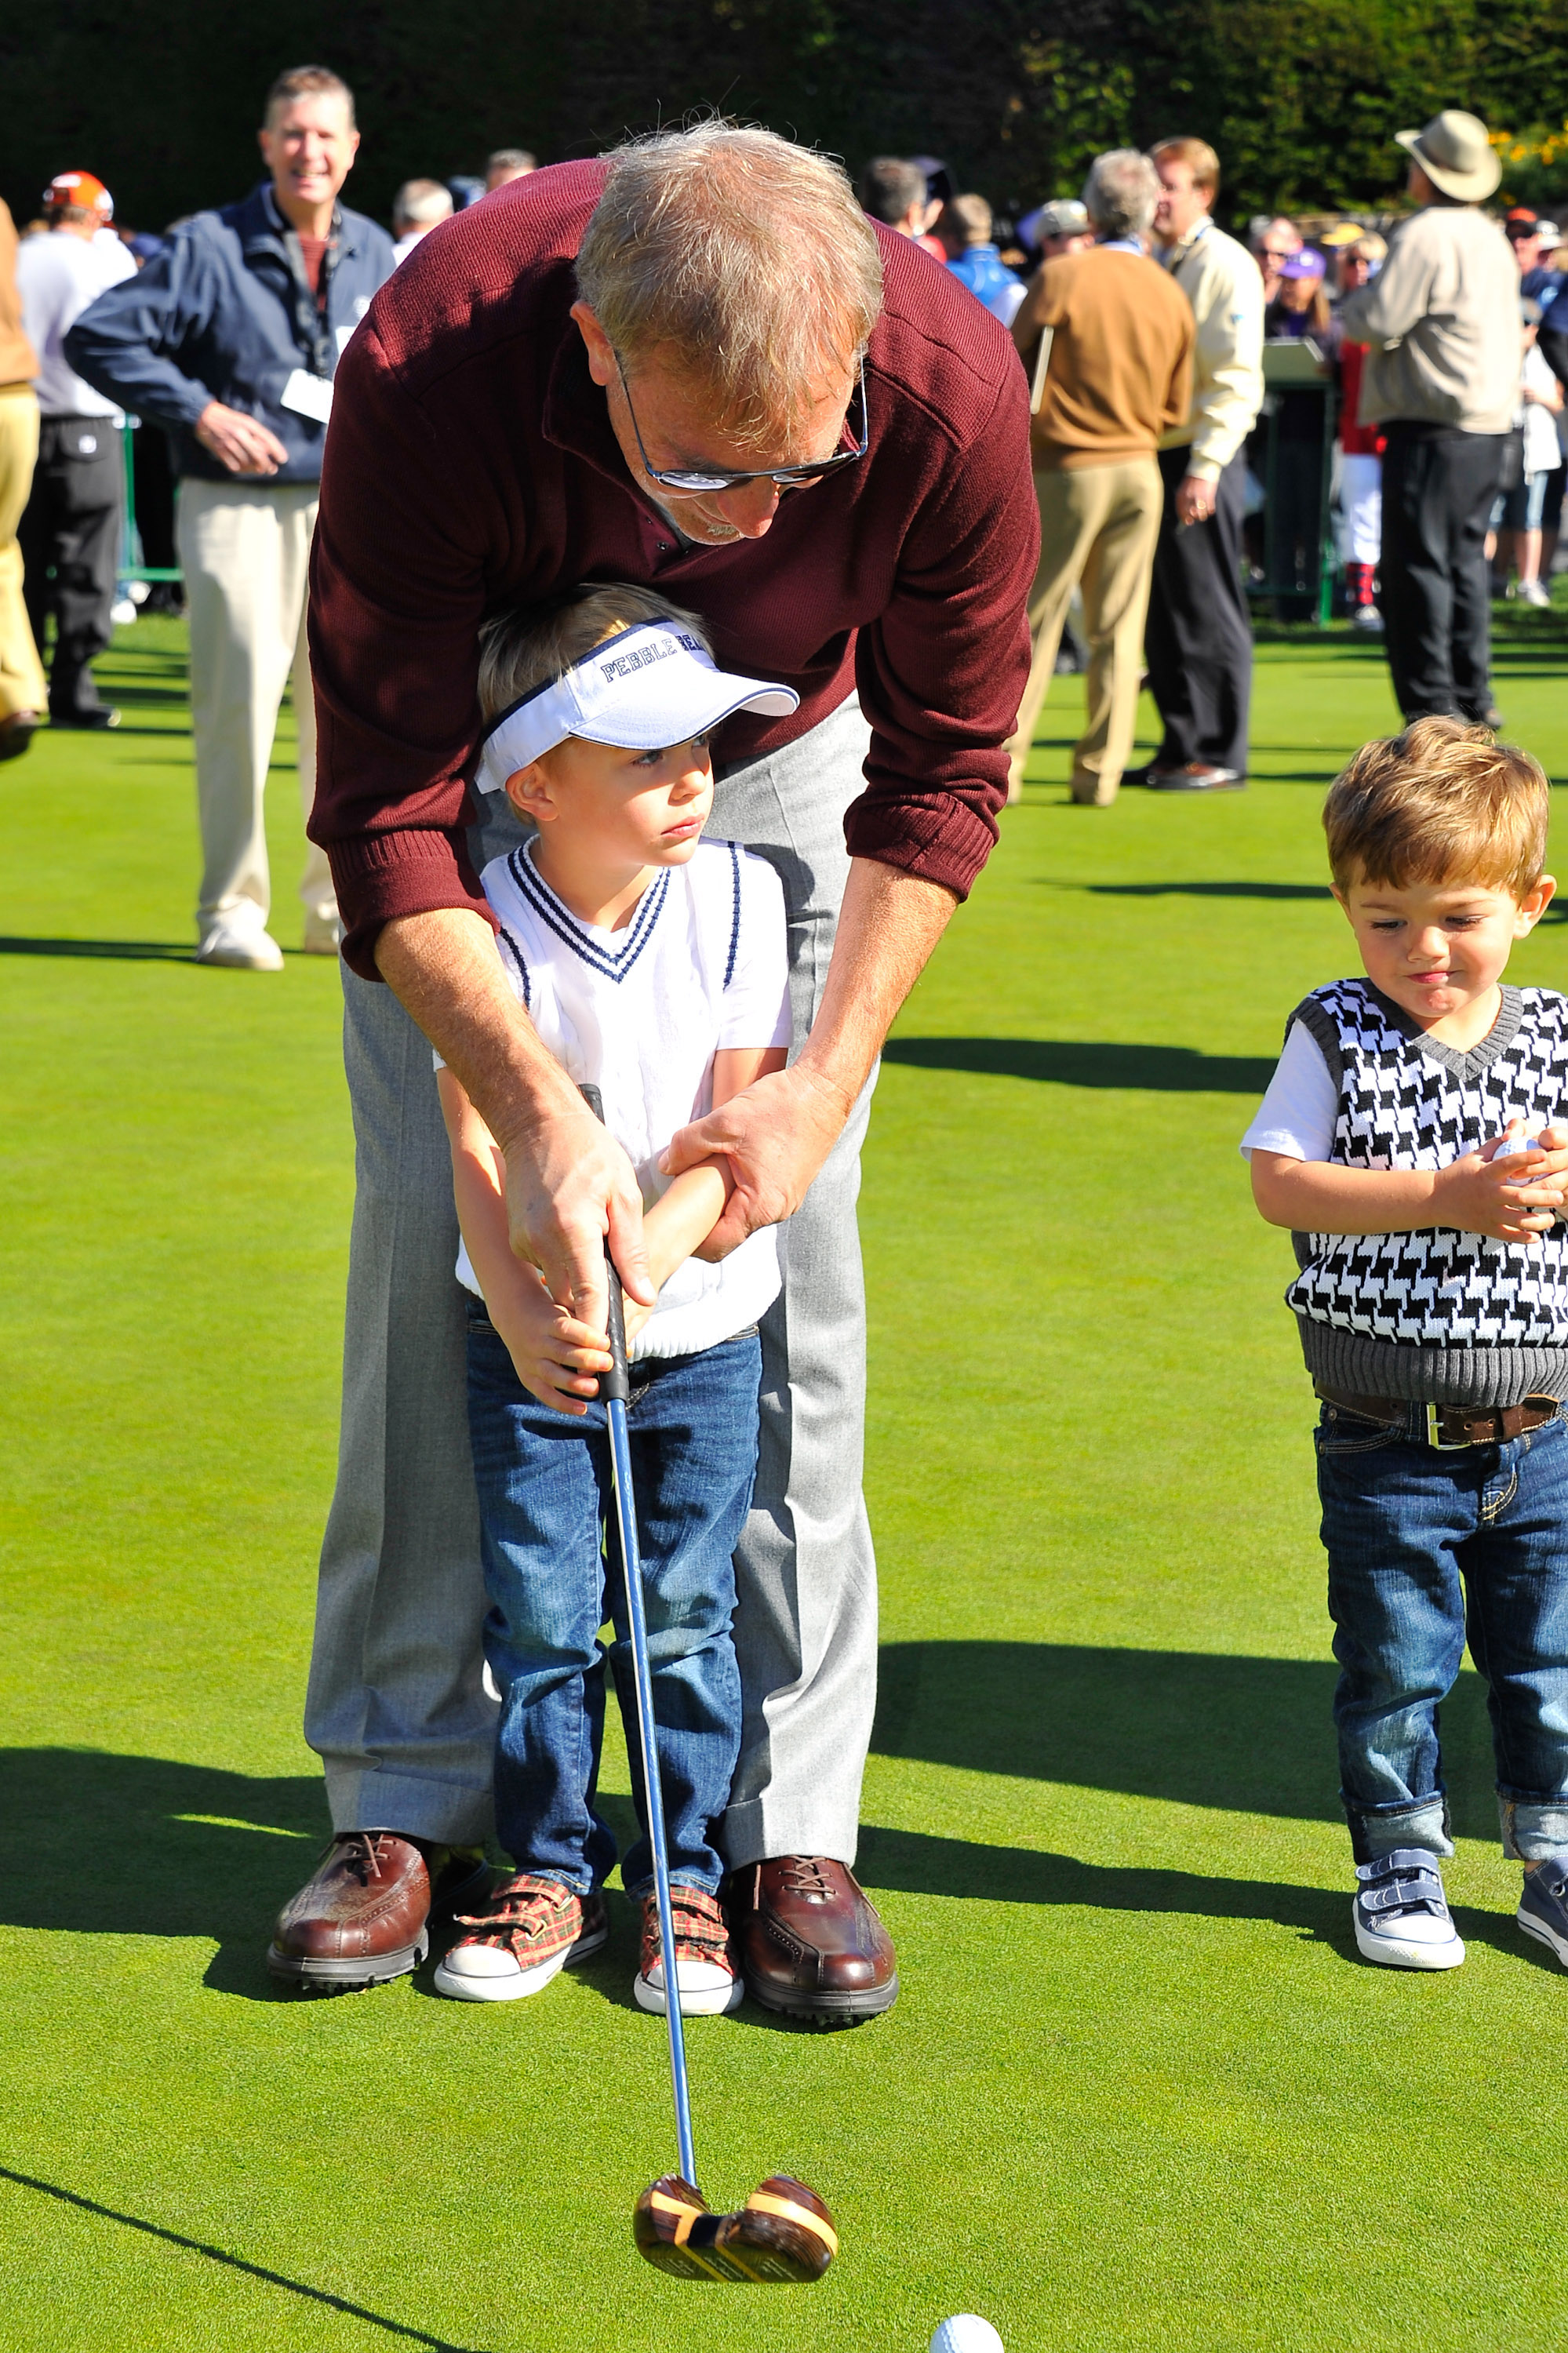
{"x": 966, "y": 2332}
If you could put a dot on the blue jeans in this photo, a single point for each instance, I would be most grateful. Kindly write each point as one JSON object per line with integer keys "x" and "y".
{"x": 552, "y": 1569}
{"x": 1426, "y": 1546}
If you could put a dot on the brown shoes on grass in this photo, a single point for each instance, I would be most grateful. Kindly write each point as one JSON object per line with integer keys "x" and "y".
{"x": 363, "y": 1915}
{"x": 809, "y": 1941}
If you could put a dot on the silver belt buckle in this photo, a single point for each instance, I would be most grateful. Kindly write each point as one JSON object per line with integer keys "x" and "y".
{"x": 1444, "y": 1445}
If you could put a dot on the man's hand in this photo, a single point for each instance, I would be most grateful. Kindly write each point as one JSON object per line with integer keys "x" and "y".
{"x": 778, "y": 1131}
{"x": 568, "y": 1186}
{"x": 775, "y": 1135}
{"x": 242, "y": 443}
{"x": 568, "y": 1183}
{"x": 1194, "y": 501}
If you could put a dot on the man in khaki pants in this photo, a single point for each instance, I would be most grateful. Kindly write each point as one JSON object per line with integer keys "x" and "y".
{"x": 22, "y": 687}
{"x": 1110, "y": 339}
{"x": 230, "y": 339}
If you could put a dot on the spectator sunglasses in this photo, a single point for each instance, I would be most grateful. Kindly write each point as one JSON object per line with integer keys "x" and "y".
{"x": 710, "y": 479}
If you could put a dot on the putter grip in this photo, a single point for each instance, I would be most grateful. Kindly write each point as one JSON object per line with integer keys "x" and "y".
{"x": 616, "y": 1383}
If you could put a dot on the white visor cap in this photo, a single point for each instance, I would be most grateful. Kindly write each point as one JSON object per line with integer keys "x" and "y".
{"x": 645, "y": 688}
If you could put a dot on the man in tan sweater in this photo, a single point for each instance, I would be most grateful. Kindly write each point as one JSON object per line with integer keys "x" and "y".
{"x": 22, "y": 688}
{"x": 1109, "y": 338}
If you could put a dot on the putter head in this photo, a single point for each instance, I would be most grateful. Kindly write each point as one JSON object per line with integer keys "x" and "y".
{"x": 783, "y": 2234}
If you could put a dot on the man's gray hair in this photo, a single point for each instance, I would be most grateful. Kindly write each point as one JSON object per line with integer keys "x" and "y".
{"x": 422, "y": 203}
{"x": 746, "y": 257}
{"x": 1120, "y": 193}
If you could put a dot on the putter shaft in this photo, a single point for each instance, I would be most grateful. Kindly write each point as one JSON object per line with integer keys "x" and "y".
{"x": 647, "y": 1736}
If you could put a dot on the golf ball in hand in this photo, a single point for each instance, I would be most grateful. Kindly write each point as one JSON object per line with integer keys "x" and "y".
{"x": 966, "y": 2333}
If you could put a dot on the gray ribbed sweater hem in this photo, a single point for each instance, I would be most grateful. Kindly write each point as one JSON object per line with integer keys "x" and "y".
{"x": 1366, "y": 1368}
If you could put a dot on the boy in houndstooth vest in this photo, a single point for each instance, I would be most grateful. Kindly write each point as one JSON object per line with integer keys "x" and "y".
{"x": 1414, "y": 1139}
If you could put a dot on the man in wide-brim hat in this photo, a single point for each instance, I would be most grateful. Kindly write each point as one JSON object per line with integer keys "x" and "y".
{"x": 1442, "y": 378}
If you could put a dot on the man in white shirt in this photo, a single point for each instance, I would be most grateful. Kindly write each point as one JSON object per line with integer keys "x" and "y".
{"x": 1199, "y": 637}
{"x": 74, "y": 516}
{"x": 507, "y": 164}
{"x": 416, "y": 207}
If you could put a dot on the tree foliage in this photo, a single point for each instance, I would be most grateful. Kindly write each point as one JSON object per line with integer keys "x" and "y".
{"x": 1301, "y": 98}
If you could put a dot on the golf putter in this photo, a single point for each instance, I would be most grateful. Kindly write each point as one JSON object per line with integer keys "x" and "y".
{"x": 784, "y": 2231}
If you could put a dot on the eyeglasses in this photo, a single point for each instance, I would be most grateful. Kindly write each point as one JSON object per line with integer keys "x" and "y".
{"x": 786, "y": 478}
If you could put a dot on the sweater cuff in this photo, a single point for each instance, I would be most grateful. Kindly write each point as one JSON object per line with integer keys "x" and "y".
{"x": 938, "y": 839}
{"x": 380, "y": 876}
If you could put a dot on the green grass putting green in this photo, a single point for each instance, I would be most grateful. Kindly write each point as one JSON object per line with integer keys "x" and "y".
{"x": 1138, "y": 2092}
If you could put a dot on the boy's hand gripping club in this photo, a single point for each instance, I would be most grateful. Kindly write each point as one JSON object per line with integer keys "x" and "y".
{"x": 784, "y": 2231}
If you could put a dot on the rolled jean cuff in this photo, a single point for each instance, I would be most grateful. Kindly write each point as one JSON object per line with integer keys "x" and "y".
{"x": 702, "y": 1881}
{"x": 1532, "y": 1832}
{"x": 1379, "y": 1831}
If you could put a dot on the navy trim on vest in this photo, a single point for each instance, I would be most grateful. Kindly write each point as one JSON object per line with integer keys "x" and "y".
{"x": 735, "y": 923}
{"x": 511, "y": 947}
{"x": 577, "y": 935}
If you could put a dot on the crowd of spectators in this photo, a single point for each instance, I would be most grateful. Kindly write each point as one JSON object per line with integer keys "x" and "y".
{"x": 1274, "y": 494}
{"x": 1343, "y": 349}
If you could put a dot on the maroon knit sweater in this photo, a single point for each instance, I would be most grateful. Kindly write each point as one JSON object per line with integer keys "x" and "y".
{"x": 470, "y": 464}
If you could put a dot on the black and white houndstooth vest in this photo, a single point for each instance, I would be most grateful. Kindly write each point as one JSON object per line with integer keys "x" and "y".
{"x": 1453, "y": 1317}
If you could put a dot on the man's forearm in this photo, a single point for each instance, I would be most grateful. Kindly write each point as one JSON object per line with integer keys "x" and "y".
{"x": 889, "y": 924}
{"x": 443, "y": 970}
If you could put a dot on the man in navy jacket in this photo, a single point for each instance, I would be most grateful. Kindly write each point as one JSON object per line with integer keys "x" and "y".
{"x": 230, "y": 339}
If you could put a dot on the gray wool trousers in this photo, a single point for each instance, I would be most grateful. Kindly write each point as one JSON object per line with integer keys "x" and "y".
{"x": 397, "y": 1707}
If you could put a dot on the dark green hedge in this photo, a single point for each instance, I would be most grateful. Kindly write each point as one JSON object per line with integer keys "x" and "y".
{"x": 1300, "y": 96}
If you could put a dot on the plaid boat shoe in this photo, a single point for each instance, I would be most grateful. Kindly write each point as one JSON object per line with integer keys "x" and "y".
{"x": 705, "y": 1969}
{"x": 1544, "y": 1907}
{"x": 529, "y": 1931}
{"x": 1402, "y": 1914}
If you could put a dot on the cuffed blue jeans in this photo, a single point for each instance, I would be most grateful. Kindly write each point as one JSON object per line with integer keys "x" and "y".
{"x": 1425, "y": 1547}
{"x": 553, "y": 1577}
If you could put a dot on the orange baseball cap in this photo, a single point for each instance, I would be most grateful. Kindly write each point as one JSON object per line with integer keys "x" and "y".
{"x": 79, "y": 189}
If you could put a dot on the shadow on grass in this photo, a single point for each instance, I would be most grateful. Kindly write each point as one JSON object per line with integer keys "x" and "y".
{"x": 120, "y": 951}
{"x": 911, "y": 1862}
{"x": 1252, "y": 1736}
{"x": 1207, "y": 890}
{"x": 232, "y": 2262}
{"x": 97, "y": 1845}
{"x": 1069, "y": 1062}
{"x": 139, "y": 1846}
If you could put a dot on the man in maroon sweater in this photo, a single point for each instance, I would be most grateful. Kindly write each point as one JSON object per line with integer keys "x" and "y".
{"x": 703, "y": 369}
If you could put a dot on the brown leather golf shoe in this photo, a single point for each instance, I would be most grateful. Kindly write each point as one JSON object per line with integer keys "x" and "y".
{"x": 811, "y": 1942}
{"x": 363, "y": 1915}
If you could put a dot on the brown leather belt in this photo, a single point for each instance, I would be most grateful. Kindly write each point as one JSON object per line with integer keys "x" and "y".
{"x": 1451, "y": 1426}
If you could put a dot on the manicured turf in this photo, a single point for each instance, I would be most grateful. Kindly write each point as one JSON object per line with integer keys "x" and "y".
{"x": 1138, "y": 2092}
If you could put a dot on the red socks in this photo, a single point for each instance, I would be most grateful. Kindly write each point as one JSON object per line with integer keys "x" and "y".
{"x": 1359, "y": 583}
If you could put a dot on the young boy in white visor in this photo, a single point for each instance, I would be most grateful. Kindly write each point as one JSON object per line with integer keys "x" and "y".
{"x": 655, "y": 966}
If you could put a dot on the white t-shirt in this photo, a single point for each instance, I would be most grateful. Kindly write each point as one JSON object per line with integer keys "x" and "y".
{"x": 1297, "y": 1114}
{"x": 640, "y": 1013}
{"x": 1542, "y": 453}
{"x": 57, "y": 274}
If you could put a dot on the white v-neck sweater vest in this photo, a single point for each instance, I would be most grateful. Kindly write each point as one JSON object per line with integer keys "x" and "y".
{"x": 640, "y": 1013}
